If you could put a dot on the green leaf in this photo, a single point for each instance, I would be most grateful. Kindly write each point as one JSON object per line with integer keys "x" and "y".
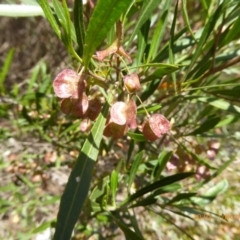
{"x": 169, "y": 188}
{"x": 146, "y": 12}
{"x": 49, "y": 15}
{"x": 78, "y": 184}
{"x": 5, "y": 68}
{"x": 114, "y": 184}
{"x": 145, "y": 202}
{"x": 163, "y": 69}
{"x": 211, "y": 193}
{"x": 233, "y": 33}
{"x": 142, "y": 41}
{"x": 138, "y": 137}
{"x": 217, "y": 189}
{"x": 134, "y": 168}
{"x": 159, "y": 31}
{"x": 105, "y": 15}
{"x": 99, "y": 190}
{"x": 151, "y": 108}
{"x": 227, "y": 120}
{"x": 162, "y": 161}
{"x": 67, "y": 24}
{"x": 221, "y": 104}
{"x": 234, "y": 92}
{"x": 79, "y": 25}
{"x": 179, "y": 45}
{"x": 42, "y": 227}
{"x": 127, "y": 231}
{"x": 186, "y": 18}
{"x": 153, "y": 197}
{"x": 171, "y": 45}
{"x": 151, "y": 88}
{"x": 208, "y": 28}
{"x": 158, "y": 184}
{"x": 60, "y": 12}
{"x": 181, "y": 196}
{"x": 209, "y": 124}
{"x": 218, "y": 171}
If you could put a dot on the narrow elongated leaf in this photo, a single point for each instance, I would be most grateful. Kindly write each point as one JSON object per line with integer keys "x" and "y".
{"x": 49, "y": 15}
{"x": 158, "y": 184}
{"x": 42, "y": 227}
{"x": 178, "y": 46}
{"x": 159, "y": 31}
{"x": 221, "y": 104}
{"x": 211, "y": 193}
{"x": 162, "y": 161}
{"x": 152, "y": 108}
{"x": 219, "y": 170}
{"x": 105, "y": 14}
{"x": 229, "y": 119}
{"x": 138, "y": 137}
{"x": 5, "y": 68}
{"x": 152, "y": 86}
{"x": 145, "y": 202}
{"x": 68, "y": 25}
{"x": 59, "y": 10}
{"x": 163, "y": 70}
{"x": 171, "y": 45}
{"x": 169, "y": 188}
{"x": 114, "y": 184}
{"x": 234, "y": 92}
{"x": 186, "y": 19}
{"x": 206, "y": 126}
{"x": 142, "y": 41}
{"x": 136, "y": 163}
{"x": 78, "y": 184}
{"x": 181, "y": 196}
{"x": 146, "y": 11}
{"x": 153, "y": 197}
{"x": 127, "y": 231}
{"x": 208, "y": 28}
{"x": 233, "y": 33}
{"x": 78, "y": 23}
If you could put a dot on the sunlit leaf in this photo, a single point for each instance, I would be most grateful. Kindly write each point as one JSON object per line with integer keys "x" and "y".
{"x": 78, "y": 184}
{"x": 105, "y": 14}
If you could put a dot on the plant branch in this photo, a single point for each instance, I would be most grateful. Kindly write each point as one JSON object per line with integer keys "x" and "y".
{"x": 221, "y": 67}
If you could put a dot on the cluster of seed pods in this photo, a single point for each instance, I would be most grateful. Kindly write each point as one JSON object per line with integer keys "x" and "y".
{"x": 70, "y": 87}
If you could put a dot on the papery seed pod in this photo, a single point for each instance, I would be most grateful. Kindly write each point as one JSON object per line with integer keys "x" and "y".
{"x": 155, "y": 126}
{"x": 85, "y": 125}
{"x": 69, "y": 84}
{"x": 123, "y": 53}
{"x": 114, "y": 130}
{"x": 132, "y": 83}
{"x": 101, "y": 55}
{"x": 202, "y": 173}
{"x": 94, "y": 109}
{"x": 173, "y": 163}
{"x": 66, "y": 105}
{"x": 80, "y": 106}
{"x": 113, "y": 48}
{"x": 122, "y": 116}
{"x": 118, "y": 113}
{"x": 131, "y": 114}
{"x": 76, "y": 107}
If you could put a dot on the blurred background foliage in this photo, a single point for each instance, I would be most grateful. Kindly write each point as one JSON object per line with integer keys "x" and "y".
{"x": 199, "y": 93}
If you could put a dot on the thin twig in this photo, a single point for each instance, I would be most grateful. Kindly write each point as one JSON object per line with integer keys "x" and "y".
{"x": 221, "y": 67}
